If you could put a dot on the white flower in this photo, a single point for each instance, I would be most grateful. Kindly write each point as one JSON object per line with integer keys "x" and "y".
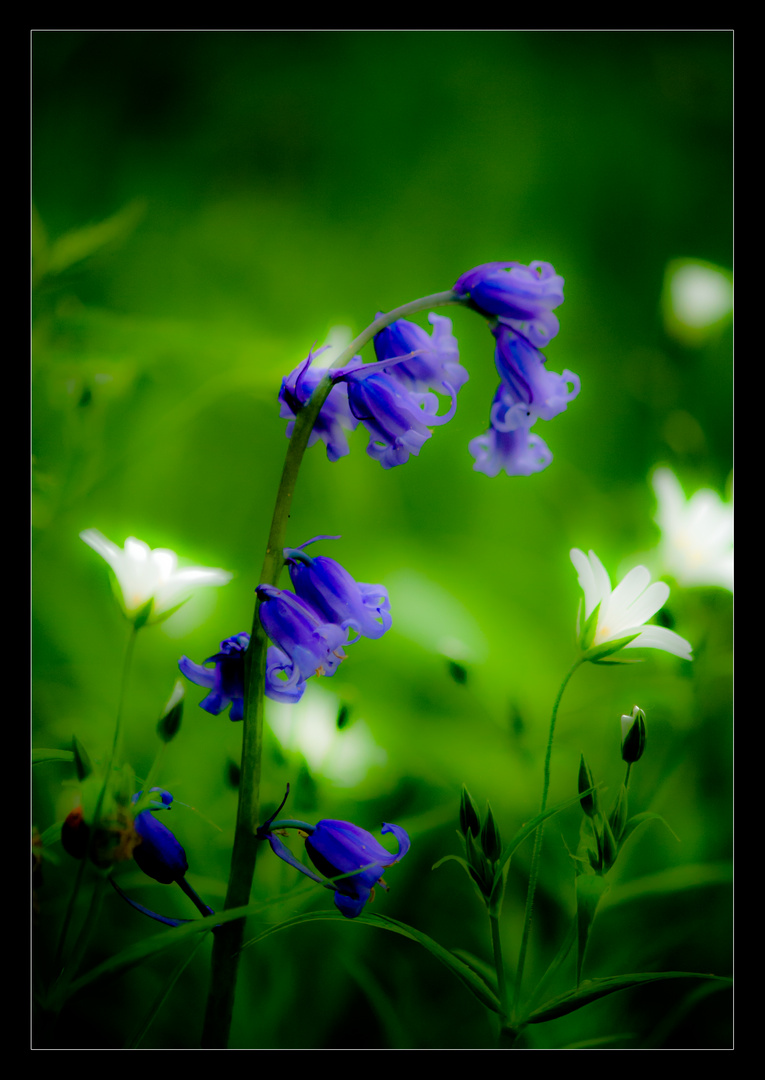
{"x": 623, "y": 612}
{"x": 696, "y": 534}
{"x": 146, "y": 576}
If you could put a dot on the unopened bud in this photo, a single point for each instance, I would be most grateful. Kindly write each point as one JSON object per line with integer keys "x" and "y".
{"x": 491, "y": 841}
{"x": 633, "y": 736}
{"x": 469, "y": 819}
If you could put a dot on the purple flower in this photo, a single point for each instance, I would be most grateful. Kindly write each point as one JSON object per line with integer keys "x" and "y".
{"x": 528, "y": 391}
{"x": 335, "y": 417}
{"x": 398, "y": 419}
{"x": 336, "y": 848}
{"x": 517, "y": 451}
{"x": 306, "y": 644}
{"x": 335, "y": 595}
{"x": 226, "y": 681}
{"x": 436, "y": 364}
{"x": 522, "y": 296}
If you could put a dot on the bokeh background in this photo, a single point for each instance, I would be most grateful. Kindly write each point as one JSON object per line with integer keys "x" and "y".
{"x": 207, "y": 206}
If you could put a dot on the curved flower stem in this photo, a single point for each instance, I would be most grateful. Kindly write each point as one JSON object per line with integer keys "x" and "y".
{"x": 535, "y": 858}
{"x": 228, "y": 941}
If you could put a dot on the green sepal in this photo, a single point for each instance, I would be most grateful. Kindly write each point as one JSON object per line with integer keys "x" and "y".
{"x": 479, "y": 866}
{"x": 590, "y": 888}
{"x": 597, "y": 654}
{"x": 589, "y": 803}
{"x": 82, "y": 762}
{"x": 471, "y": 873}
{"x": 469, "y": 818}
{"x": 491, "y": 841}
{"x": 589, "y": 628}
{"x": 610, "y": 846}
{"x": 617, "y": 819}
{"x": 170, "y": 721}
{"x": 143, "y": 614}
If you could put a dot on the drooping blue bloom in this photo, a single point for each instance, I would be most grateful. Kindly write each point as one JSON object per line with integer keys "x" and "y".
{"x": 335, "y": 418}
{"x": 335, "y": 595}
{"x": 307, "y": 644}
{"x": 437, "y": 363}
{"x": 336, "y": 848}
{"x": 521, "y": 296}
{"x": 529, "y": 392}
{"x": 159, "y": 854}
{"x": 398, "y": 419}
{"x": 518, "y": 452}
{"x": 226, "y": 681}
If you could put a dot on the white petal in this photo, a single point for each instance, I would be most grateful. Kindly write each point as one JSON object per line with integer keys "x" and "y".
{"x": 626, "y": 593}
{"x": 658, "y": 637}
{"x": 654, "y": 597}
{"x": 586, "y": 580}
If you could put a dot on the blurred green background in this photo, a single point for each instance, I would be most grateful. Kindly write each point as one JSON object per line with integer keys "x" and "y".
{"x": 208, "y": 206}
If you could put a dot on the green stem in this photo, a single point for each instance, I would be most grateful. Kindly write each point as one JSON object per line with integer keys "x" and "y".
{"x": 228, "y": 940}
{"x": 535, "y": 858}
{"x": 499, "y": 965}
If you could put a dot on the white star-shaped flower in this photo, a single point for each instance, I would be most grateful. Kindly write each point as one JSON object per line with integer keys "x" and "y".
{"x": 623, "y": 613}
{"x": 696, "y": 534}
{"x": 150, "y": 581}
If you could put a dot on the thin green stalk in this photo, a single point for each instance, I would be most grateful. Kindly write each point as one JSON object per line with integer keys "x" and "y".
{"x": 537, "y": 854}
{"x": 229, "y": 939}
{"x": 496, "y": 944}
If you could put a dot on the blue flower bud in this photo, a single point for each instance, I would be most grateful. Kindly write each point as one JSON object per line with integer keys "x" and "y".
{"x": 159, "y": 854}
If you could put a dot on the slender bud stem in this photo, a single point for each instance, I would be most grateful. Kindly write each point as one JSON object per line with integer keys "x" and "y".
{"x": 535, "y": 858}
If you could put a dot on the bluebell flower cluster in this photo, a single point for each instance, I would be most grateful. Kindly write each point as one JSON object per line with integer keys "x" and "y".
{"x": 519, "y": 302}
{"x": 338, "y": 848}
{"x": 395, "y": 398}
{"x": 309, "y": 629}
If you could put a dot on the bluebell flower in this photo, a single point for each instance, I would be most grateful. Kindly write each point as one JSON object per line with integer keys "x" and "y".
{"x": 521, "y": 296}
{"x": 226, "y": 681}
{"x": 335, "y": 418}
{"x": 306, "y": 644}
{"x": 518, "y": 452}
{"x": 398, "y": 419}
{"x": 335, "y": 595}
{"x": 529, "y": 391}
{"x": 436, "y": 365}
{"x": 336, "y": 848}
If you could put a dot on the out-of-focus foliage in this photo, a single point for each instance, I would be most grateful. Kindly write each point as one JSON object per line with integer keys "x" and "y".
{"x": 208, "y": 206}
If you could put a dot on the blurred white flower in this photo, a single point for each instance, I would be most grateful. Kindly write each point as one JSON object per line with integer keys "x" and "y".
{"x": 622, "y": 613}
{"x": 150, "y": 581}
{"x": 696, "y": 534}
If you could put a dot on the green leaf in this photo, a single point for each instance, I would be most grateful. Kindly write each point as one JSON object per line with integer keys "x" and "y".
{"x": 78, "y": 244}
{"x": 41, "y": 754}
{"x": 82, "y": 761}
{"x": 469, "y": 978}
{"x": 590, "y": 888}
{"x": 674, "y": 879}
{"x": 592, "y": 989}
{"x": 637, "y": 820}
